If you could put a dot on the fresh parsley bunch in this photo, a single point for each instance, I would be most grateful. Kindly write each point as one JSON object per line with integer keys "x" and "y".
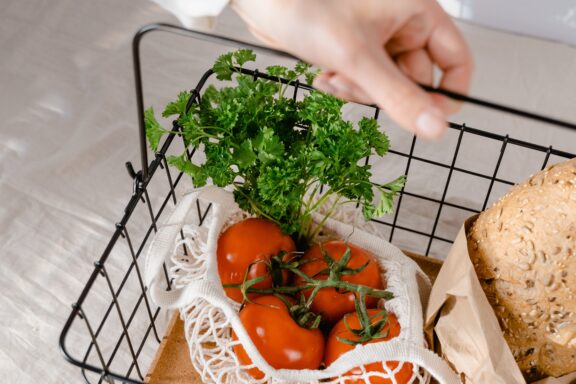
{"x": 275, "y": 151}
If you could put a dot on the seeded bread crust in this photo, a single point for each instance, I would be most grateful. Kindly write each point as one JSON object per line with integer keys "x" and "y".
{"x": 524, "y": 252}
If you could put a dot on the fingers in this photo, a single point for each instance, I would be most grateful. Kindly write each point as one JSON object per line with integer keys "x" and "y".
{"x": 450, "y": 52}
{"x": 411, "y": 36}
{"x": 391, "y": 83}
{"x": 436, "y": 33}
{"x": 341, "y": 87}
{"x": 417, "y": 65}
{"x": 397, "y": 94}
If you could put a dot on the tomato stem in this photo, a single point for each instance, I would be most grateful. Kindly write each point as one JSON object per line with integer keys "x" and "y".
{"x": 317, "y": 285}
{"x": 368, "y": 330}
{"x": 301, "y": 312}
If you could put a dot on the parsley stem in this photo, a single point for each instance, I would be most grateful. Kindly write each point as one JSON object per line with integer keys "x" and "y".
{"x": 314, "y": 191}
{"x": 325, "y": 218}
{"x": 255, "y": 206}
{"x": 169, "y": 131}
{"x": 320, "y": 202}
{"x": 306, "y": 217}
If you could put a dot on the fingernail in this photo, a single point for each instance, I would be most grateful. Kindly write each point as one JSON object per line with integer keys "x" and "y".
{"x": 431, "y": 123}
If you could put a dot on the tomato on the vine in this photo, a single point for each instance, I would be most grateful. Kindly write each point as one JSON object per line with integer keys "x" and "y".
{"x": 332, "y": 303}
{"x": 278, "y": 338}
{"x": 248, "y": 245}
{"x": 335, "y": 348}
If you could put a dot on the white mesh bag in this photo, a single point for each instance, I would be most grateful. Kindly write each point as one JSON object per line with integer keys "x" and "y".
{"x": 187, "y": 243}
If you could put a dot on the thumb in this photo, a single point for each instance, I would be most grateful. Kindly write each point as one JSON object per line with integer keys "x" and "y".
{"x": 402, "y": 99}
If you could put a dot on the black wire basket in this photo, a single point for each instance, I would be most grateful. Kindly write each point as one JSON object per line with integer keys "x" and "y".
{"x": 115, "y": 329}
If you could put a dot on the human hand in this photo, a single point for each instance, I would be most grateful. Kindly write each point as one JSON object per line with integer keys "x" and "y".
{"x": 372, "y": 51}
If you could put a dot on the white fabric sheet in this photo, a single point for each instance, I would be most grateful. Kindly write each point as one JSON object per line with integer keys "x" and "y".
{"x": 68, "y": 124}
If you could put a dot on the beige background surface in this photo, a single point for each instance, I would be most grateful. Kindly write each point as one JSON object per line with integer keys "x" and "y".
{"x": 68, "y": 124}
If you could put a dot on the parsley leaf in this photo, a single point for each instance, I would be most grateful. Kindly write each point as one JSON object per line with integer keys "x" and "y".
{"x": 385, "y": 205}
{"x": 375, "y": 138}
{"x": 268, "y": 146}
{"x": 223, "y": 67}
{"x": 397, "y": 184}
{"x": 277, "y": 70}
{"x": 183, "y": 164}
{"x": 276, "y": 151}
{"x": 177, "y": 107}
{"x": 154, "y": 131}
{"x": 244, "y": 156}
{"x": 242, "y": 56}
{"x": 218, "y": 165}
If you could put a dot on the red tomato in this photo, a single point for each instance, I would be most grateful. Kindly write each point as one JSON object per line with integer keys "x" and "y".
{"x": 278, "y": 338}
{"x": 331, "y": 303}
{"x": 244, "y": 243}
{"x": 335, "y": 348}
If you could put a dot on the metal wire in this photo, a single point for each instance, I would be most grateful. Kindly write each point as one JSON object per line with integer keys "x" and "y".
{"x": 445, "y": 190}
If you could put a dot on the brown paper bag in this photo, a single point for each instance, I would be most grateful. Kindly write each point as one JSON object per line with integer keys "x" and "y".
{"x": 462, "y": 327}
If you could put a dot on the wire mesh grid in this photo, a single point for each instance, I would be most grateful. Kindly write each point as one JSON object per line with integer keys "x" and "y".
{"x": 114, "y": 328}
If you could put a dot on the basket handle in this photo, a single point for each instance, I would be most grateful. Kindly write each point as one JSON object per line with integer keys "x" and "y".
{"x": 217, "y": 39}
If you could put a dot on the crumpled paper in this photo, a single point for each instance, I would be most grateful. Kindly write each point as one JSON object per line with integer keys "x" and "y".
{"x": 462, "y": 327}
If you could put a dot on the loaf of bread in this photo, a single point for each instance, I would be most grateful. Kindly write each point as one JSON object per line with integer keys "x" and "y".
{"x": 524, "y": 252}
